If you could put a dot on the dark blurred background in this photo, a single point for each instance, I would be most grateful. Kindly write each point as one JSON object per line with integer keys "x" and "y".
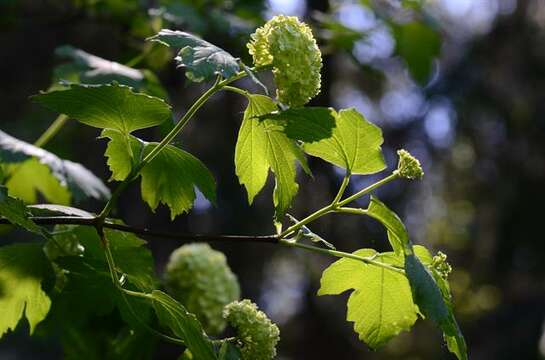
{"x": 458, "y": 83}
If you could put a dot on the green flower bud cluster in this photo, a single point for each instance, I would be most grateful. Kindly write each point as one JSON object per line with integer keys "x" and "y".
{"x": 290, "y": 47}
{"x": 257, "y": 334}
{"x": 408, "y": 166}
{"x": 200, "y": 278}
{"x": 440, "y": 264}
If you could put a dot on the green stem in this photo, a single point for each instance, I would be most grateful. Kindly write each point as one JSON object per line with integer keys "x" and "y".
{"x": 236, "y": 90}
{"x": 353, "y": 211}
{"x": 335, "y": 205}
{"x": 315, "y": 215}
{"x": 124, "y": 292}
{"x": 342, "y": 188}
{"x": 51, "y": 131}
{"x": 368, "y": 189}
{"x": 340, "y": 254}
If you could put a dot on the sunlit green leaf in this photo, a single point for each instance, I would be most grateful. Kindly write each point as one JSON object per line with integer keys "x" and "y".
{"x": 111, "y": 106}
{"x": 381, "y": 304}
{"x": 262, "y": 145}
{"x": 30, "y": 179}
{"x": 201, "y": 59}
{"x": 354, "y": 144}
{"x": 23, "y": 268}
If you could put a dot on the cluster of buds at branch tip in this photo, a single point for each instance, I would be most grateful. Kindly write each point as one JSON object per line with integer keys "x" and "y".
{"x": 408, "y": 166}
{"x": 440, "y": 264}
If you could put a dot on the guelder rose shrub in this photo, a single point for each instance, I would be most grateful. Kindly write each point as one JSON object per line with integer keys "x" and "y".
{"x": 90, "y": 264}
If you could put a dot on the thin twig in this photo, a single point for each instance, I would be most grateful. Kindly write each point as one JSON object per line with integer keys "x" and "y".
{"x": 91, "y": 221}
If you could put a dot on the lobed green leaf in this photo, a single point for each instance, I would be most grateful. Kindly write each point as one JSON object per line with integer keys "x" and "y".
{"x": 170, "y": 178}
{"x": 110, "y": 106}
{"x": 354, "y": 144}
{"x": 23, "y": 269}
{"x": 381, "y": 304}
{"x": 262, "y": 145}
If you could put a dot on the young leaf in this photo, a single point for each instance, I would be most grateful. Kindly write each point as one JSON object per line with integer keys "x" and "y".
{"x": 183, "y": 324}
{"x": 260, "y": 146}
{"x": 397, "y": 234}
{"x": 110, "y": 106}
{"x": 381, "y": 305}
{"x": 31, "y": 163}
{"x": 23, "y": 268}
{"x": 307, "y": 124}
{"x": 202, "y": 59}
{"x": 354, "y": 144}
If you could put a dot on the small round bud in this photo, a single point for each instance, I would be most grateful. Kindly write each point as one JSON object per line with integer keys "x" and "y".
{"x": 256, "y": 333}
{"x": 290, "y": 47}
{"x": 200, "y": 278}
{"x": 440, "y": 264}
{"x": 408, "y": 166}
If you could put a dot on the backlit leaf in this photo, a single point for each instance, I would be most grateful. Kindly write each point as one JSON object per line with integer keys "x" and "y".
{"x": 397, "y": 233}
{"x": 353, "y": 145}
{"x": 23, "y": 268}
{"x": 261, "y": 145}
{"x": 381, "y": 304}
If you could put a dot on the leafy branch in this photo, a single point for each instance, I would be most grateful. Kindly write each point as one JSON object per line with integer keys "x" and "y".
{"x": 275, "y": 136}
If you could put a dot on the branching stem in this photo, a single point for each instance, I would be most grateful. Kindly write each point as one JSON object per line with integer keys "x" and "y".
{"x": 336, "y": 204}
